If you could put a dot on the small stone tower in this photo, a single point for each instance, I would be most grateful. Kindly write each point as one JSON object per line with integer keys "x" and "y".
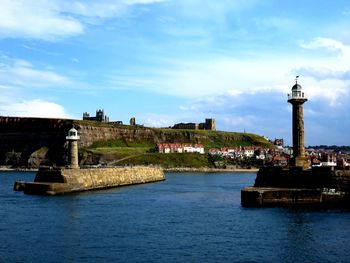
{"x": 72, "y": 139}
{"x": 297, "y": 99}
{"x": 133, "y": 121}
{"x": 210, "y": 124}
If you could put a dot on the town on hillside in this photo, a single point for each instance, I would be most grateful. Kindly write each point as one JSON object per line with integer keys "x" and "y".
{"x": 257, "y": 156}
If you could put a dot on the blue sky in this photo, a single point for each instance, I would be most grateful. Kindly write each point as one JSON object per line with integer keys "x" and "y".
{"x": 169, "y": 61}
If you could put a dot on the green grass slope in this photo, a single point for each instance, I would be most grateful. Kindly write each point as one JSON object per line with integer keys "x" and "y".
{"x": 142, "y": 151}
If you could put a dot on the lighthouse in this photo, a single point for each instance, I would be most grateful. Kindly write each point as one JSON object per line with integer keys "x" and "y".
{"x": 297, "y": 98}
{"x": 72, "y": 139}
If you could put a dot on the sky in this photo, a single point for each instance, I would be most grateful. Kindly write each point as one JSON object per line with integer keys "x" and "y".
{"x": 170, "y": 61}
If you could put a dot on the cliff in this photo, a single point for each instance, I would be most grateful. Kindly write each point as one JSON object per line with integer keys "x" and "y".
{"x": 30, "y": 142}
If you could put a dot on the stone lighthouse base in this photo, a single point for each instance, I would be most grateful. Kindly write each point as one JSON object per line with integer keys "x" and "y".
{"x": 317, "y": 187}
{"x": 300, "y": 161}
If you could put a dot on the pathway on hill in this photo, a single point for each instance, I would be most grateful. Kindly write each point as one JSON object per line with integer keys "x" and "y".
{"x": 123, "y": 159}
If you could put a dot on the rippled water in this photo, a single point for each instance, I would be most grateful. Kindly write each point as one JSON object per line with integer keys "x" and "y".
{"x": 187, "y": 218}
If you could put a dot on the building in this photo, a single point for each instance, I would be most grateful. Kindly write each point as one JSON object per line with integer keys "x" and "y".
{"x": 209, "y": 124}
{"x": 179, "y": 148}
{"x": 116, "y": 122}
{"x": 133, "y": 121}
{"x": 100, "y": 116}
{"x": 186, "y": 126}
{"x": 278, "y": 142}
{"x": 279, "y": 161}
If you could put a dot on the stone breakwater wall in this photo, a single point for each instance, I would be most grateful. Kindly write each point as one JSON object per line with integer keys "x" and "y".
{"x": 294, "y": 197}
{"x": 317, "y": 177}
{"x": 61, "y": 180}
{"x": 317, "y": 187}
{"x": 111, "y": 177}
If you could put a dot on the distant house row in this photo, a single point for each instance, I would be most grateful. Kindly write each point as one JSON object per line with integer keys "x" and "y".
{"x": 179, "y": 148}
{"x": 327, "y": 158}
{"x": 277, "y": 156}
{"x": 241, "y": 152}
{"x": 273, "y": 155}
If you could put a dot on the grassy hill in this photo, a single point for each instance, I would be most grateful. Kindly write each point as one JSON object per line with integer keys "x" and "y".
{"x": 141, "y": 151}
{"x": 30, "y": 142}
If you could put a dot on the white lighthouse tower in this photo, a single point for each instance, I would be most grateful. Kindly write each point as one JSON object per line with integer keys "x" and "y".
{"x": 72, "y": 139}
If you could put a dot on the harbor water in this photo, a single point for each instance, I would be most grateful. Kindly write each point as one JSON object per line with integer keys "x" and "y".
{"x": 190, "y": 217}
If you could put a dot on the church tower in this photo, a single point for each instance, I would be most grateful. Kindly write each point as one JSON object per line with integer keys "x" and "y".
{"x": 297, "y": 98}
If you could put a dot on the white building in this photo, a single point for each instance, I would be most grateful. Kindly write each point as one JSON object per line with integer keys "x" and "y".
{"x": 179, "y": 148}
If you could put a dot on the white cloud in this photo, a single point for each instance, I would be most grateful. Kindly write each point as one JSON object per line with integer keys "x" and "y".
{"x": 321, "y": 73}
{"x": 334, "y": 91}
{"x": 324, "y": 77}
{"x": 209, "y": 77}
{"x": 339, "y": 62}
{"x": 328, "y": 43}
{"x": 157, "y": 121}
{"x": 23, "y": 73}
{"x": 188, "y": 108}
{"x": 55, "y": 19}
{"x": 239, "y": 122}
{"x": 35, "y": 19}
{"x": 20, "y": 86}
{"x": 33, "y": 108}
{"x": 327, "y": 78}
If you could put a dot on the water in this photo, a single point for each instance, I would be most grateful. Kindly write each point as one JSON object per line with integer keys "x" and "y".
{"x": 187, "y": 218}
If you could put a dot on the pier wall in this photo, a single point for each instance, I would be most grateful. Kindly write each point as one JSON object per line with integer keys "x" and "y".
{"x": 317, "y": 177}
{"x": 61, "y": 180}
{"x": 317, "y": 187}
{"x": 293, "y": 197}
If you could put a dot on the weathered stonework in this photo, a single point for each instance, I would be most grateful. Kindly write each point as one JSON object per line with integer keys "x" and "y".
{"x": 52, "y": 181}
{"x": 297, "y": 100}
{"x": 316, "y": 187}
{"x": 73, "y": 154}
{"x": 316, "y": 198}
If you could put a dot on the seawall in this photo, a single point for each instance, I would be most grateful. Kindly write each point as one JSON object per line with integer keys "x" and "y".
{"x": 317, "y": 187}
{"x": 52, "y": 181}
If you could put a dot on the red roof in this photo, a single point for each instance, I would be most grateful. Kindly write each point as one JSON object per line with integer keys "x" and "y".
{"x": 279, "y": 158}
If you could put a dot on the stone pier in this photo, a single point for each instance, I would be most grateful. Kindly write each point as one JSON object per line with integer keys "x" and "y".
{"x": 52, "y": 181}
